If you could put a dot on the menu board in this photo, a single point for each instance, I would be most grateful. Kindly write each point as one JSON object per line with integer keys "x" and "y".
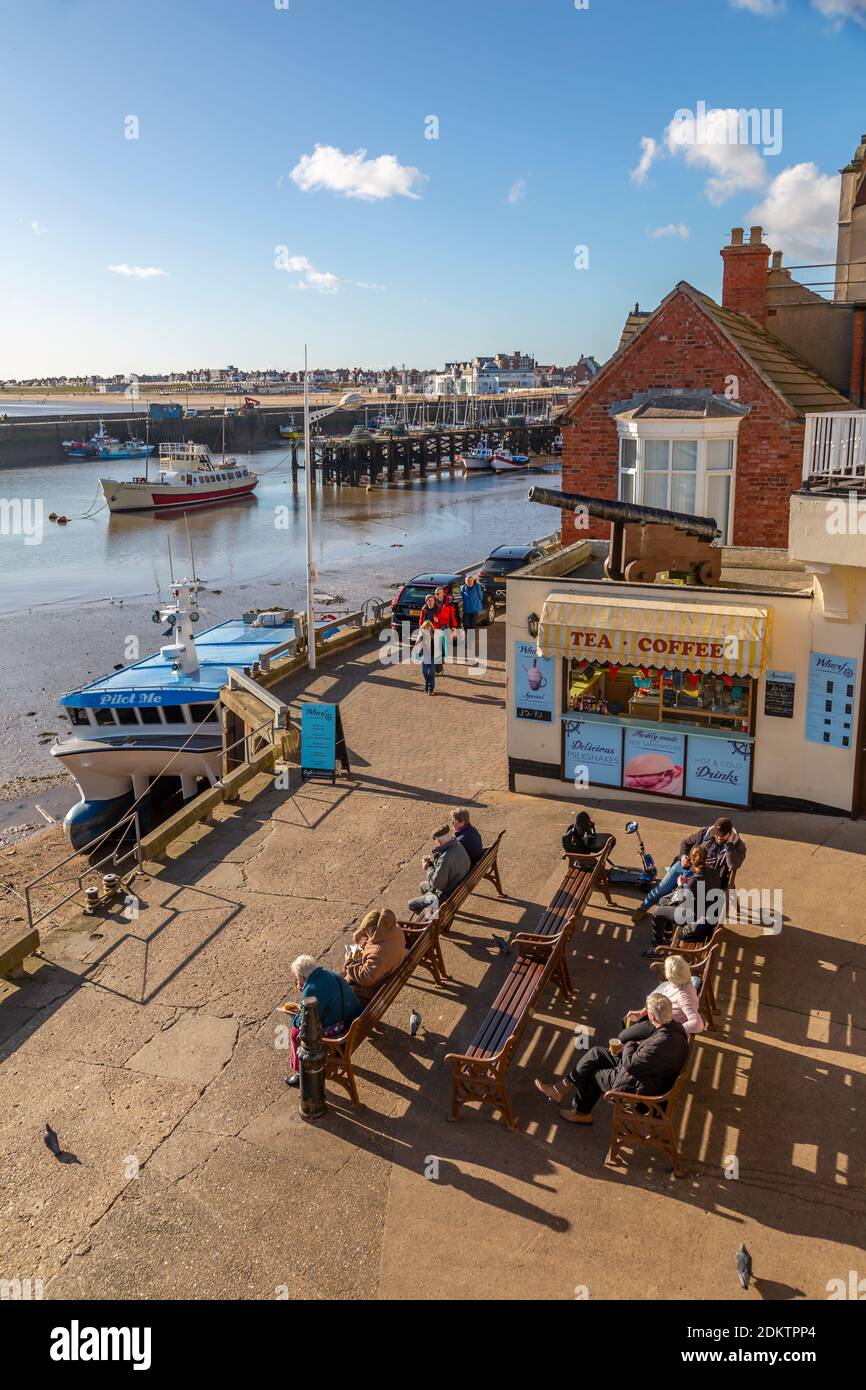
{"x": 779, "y": 691}
{"x": 533, "y": 683}
{"x": 654, "y": 761}
{"x": 830, "y": 703}
{"x": 594, "y": 749}
{"x": 717, "y": 769}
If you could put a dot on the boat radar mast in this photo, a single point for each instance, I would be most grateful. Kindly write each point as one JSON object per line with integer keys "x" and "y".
{"x": 180, "y": 616}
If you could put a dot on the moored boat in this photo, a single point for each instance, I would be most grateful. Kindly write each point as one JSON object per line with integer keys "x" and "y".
{"x": 503, "y": 461}
{"x": 160, "y": 717}
{"x": 479, "y": 457}
{"x": 187, "y": 476}
{"x": 102, "y": 445}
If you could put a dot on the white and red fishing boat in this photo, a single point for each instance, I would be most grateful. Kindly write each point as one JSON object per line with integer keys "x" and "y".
{"x": 478, "y": 458}
{"x": 187, "y": 476}
{"x": 503, "y": 461}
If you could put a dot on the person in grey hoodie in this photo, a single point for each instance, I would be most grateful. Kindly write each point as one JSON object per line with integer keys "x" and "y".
{"x": 444, "y": 871}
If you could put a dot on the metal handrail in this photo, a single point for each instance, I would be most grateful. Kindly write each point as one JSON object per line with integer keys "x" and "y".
{"x": 131, "y": 818}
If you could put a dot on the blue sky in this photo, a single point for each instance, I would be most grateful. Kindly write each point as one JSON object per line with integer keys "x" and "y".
{"x": 535, "y": 99}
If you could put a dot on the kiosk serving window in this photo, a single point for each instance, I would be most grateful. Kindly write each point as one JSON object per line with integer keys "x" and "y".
{"x": 647, "y": 693}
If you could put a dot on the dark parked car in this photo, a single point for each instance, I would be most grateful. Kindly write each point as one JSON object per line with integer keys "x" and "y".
{"x": 501, "y": 562}
{"x": 406, "y": 607}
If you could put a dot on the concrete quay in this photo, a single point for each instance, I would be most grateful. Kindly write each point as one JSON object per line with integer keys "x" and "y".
{"x": 148, "y": 1041}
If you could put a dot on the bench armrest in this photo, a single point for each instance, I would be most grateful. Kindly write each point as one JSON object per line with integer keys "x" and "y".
{"x": 657, "y": 1105}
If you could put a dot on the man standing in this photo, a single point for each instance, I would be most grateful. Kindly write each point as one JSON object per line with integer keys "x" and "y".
{"x": 726, "y": 851}
{"x": 646, "y": 1068}
{"x": 448, "y": 866}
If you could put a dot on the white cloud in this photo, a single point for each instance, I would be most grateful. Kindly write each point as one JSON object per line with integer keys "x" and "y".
{"x": 137, "y": 272}
{"x": 735, "y": 167}
{"x": 37, "y": 229}
{"x": 322, "y": 280}
{"x": 799, "y": 212}
{"x": 649, "y": 151}
{"x": 517, "y": 191}
{"x": 765, "y": 7}
{"x": 840, "y": 10}
{"x": 356, "y": 176}
{"x": 672, "y": 229}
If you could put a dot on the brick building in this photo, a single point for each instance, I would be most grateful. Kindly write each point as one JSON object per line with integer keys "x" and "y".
{"x": 703, "y": 410}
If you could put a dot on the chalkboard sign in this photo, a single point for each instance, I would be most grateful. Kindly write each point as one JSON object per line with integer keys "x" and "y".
{"x": 779, "y": 694}
{"x": 323, "y": 742}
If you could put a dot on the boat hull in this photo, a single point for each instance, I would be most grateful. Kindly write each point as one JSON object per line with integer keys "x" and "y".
{"x": 158, "y": 497}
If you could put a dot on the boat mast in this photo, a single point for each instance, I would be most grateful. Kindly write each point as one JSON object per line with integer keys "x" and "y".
{"x": 309, "y": 470}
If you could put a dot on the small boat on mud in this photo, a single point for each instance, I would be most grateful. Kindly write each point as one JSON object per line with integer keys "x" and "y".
{"x": 478, "y": 458}
{"x": 104, "y": 446}
{"x": 503, "y": 461}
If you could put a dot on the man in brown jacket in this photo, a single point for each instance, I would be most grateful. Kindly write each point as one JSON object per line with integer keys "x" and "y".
{"x": 382, "y": 948}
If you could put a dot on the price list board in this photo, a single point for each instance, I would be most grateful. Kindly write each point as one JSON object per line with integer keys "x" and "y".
{"x": 830, "y": 717}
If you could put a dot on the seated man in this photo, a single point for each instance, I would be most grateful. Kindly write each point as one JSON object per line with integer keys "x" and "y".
{"x": 646, "y": 1068}
{"x": 466, "y": 833}
{"x": 725, "y": 853}
{"x": 380, "y": 946}
{"x": 697, "y": 907}
{"x": 448, "y": 867}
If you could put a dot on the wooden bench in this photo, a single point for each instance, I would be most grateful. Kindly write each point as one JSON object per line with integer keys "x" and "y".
{"x": 16, "y": 944}
{"x": 487, "y": 867}
{"x": 422, "y": 950}
{"x": 647, "y": 1121}
{"x": 479, "y": 1073}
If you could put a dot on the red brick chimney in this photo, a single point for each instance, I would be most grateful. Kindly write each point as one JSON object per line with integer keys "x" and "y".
{"x": 744, "y": 280}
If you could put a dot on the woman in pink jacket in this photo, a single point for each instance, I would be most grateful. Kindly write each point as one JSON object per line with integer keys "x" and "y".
{"x": 684, "y": 1001}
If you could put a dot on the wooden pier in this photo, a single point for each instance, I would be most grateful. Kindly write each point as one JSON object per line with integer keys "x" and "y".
{"x": 396, "y": 457}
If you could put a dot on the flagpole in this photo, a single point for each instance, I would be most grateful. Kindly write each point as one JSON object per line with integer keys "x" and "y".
{"x": 309, "y": 471}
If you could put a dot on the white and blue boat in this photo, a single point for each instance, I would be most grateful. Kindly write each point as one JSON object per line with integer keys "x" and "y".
{"x": 159, "y": 719}
{"x": 105, "y": 446}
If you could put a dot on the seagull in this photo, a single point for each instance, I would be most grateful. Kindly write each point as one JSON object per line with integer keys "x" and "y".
{"x": 50, "y": 1140}
{"x": 501, "y": 945}
{"x": 744, "y": 1265}
{"x": 414, "y": 1023}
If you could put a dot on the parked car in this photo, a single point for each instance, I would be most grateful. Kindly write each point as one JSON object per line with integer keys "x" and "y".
{"x": 406, "y": 606}
{"x": 501, "y": 562}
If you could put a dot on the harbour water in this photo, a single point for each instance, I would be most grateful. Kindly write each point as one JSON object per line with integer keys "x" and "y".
{"x": 76, "y": 604}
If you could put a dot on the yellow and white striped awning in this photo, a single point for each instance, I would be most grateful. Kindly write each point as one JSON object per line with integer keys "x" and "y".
{"x": 665, "y": 635}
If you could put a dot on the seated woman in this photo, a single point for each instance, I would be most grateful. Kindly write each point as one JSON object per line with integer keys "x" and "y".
{"x": 382, "y": 948}
{"x": 337, "y": 1001}
{"x": 696, "y": 905}
{"x": 684, "y": 1001}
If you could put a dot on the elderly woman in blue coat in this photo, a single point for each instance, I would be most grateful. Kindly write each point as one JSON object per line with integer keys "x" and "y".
{"x": 337, "y": 1001}
{"x": 472, "y": 595}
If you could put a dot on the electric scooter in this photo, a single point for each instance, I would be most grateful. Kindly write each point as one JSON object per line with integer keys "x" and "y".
{"x": 644, "y": 877}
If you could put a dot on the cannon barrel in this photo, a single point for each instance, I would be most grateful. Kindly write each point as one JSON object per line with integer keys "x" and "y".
{"x": 607, "y": 509}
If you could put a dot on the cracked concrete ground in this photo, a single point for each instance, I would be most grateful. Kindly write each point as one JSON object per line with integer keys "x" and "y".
{"x": 150, "y": 1043}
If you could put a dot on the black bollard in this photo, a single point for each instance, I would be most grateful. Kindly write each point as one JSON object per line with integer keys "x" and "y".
{"x": 311, "y": 1062}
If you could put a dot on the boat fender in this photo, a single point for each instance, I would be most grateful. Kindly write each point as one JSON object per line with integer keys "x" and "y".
{"x": 52, "y": 516}
{"x": 62, "y": 520}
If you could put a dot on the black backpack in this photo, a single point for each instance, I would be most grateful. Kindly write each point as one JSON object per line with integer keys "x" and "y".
{"x": 580, "y": 838}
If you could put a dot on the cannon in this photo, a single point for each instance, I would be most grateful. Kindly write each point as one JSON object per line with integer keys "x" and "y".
{"x": 646, "y": 541}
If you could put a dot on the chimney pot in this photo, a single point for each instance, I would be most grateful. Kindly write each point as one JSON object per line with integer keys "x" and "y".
{"x": 756, "y": 236}
{"x": 777, "y": 260}
{"x": 736, "y": 236}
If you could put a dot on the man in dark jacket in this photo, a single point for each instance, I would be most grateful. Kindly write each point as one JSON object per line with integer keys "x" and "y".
{"x": 448, "y": 866}
{"x": 646, "y": 1068}
{"x": 466, "y": 833}
{"x": 726, "y": 851}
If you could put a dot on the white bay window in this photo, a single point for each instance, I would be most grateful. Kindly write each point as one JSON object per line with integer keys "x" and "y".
{"x": 680, "y": 466}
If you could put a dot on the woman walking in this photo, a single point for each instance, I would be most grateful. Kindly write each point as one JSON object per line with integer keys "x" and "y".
{"x": 445, "y": 621}
{"x": 472, "y": 595}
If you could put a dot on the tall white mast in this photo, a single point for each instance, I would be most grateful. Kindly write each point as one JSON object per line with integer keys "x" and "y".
{"x": 309, "y": 470}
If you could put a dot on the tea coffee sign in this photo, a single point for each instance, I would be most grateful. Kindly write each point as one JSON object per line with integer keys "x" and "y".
{"x": 533, "y": 683}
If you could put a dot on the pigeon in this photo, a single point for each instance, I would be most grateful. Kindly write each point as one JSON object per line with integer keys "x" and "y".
{"x": 744, "y": 1265}
{"x": 414, "y": 1023}
{"x": 51, "y": 1141}
{"x": 501, "y": 945}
